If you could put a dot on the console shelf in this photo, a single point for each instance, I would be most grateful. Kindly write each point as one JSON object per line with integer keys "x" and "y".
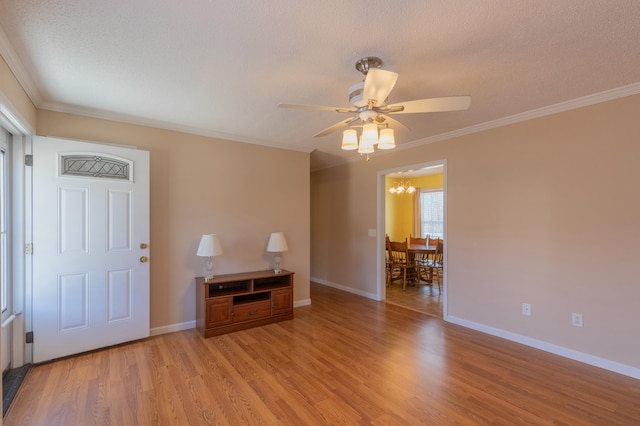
{"x": 235, "y": 302}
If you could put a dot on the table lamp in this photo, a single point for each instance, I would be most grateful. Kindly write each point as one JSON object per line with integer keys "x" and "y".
{"x": 277, "y": 244}
{"x": 209, "y": 247}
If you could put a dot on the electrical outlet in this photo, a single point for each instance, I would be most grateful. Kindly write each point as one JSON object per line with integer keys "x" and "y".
{"x": 576, "y": 319}
{"x": 526, "y": 309}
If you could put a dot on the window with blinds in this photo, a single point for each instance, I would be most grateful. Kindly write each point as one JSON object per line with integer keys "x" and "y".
{"x": 432, "y": 213}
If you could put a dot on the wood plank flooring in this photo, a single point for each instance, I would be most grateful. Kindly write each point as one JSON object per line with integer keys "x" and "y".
{"x": 421, "y": 297}
{"x": 343, "y": 360}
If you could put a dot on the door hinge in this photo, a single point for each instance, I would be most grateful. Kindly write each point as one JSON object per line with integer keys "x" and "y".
{"x": 29, "y": 337}
{"x": 28, "y": 160}
{"x": 28, "y": 248}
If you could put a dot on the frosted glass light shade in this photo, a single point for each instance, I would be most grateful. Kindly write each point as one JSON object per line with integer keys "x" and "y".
{"x": 209, "y": 246}
{"x": 370, "y": 134}
{"x": 365, "y": 147}
{"x": 387, "y": 140}
{"x": 349, "y": 140}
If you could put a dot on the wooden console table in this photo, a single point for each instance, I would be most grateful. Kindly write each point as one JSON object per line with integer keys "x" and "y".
{"x": 235, "y": 302}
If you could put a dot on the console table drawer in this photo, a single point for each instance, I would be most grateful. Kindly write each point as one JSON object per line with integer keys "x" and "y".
{"x": 251, "y": 311}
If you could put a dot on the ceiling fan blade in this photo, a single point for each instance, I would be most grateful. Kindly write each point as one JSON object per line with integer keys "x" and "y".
{"x": 316, "y": 108}
{"x": 339, "y": 125}
{"x": 378, "y": 84}
{"x": 449, "y": 103}
{"x": 393, "y": 122}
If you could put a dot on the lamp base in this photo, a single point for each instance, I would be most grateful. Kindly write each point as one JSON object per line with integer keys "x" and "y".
{"x": 276, "y": 267}
{"x": 208, "y": 270}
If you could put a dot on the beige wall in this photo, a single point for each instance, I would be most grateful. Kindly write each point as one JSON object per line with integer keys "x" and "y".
{"x": 545, "y": 212}
{"x": 11, "y": 92}
{"x": 200, "y": 185}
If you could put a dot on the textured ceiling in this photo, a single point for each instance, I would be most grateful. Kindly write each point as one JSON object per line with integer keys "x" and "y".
{"x": 220, "y": 68}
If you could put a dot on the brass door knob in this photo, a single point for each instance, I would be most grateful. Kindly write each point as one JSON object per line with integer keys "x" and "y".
{"x": 144, "y": 259}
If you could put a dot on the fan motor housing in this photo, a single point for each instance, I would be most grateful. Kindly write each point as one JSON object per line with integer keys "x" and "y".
{"x": 356, "y": 94}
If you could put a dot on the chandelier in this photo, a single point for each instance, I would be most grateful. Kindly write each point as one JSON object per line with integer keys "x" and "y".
{"x": 369, "y": 138}
{"x": 402, "y": 187}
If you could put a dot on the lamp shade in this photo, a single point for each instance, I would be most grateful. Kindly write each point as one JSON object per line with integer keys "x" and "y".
{"x": 349, "y": 140}
{"x": 370, "y": 134}
{"x": 365, "y": 147}
{"x": 277, "y": 243}
{"x": 209, "y": 246}
{"x": 387, "y": 141}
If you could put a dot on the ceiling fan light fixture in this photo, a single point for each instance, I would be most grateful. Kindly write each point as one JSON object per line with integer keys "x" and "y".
{"x": 368, "y": 99}
{"x": 365, "y": 146}
{"x": 387, "y": 139}
{"x": 370, "y": 134}
{"x": 349, "y": 140}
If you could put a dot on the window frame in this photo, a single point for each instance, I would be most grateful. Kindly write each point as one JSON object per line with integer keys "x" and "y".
{"x": 423, "y": 231}
{"x": 5, "y": 224}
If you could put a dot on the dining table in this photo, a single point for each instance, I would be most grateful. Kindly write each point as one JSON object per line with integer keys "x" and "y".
{"x": 421, "y": 248}
{"x": 414, "y": 249}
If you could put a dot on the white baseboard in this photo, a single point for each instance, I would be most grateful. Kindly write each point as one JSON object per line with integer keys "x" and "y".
{"x": 595, "y": 361}
{"x": 303, "y": 302}
{"x": 171, "y": 328}
{"x": 344, "y": 288}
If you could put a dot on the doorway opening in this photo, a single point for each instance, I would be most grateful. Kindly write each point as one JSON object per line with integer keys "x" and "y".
{"x": 421, "y": 213}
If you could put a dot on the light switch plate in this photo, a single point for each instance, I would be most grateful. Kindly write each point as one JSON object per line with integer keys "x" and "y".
{"x": 372, "y": 232}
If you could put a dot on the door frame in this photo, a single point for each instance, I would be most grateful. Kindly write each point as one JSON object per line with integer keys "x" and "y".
{"x": 380, "y": 240}
{"x": 21, "y": 133}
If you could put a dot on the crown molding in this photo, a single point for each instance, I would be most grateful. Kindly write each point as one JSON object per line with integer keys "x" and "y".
{"x": 19, "y": 71}
{"x": 158, "y": 124}
{"x": 596, "y": 98}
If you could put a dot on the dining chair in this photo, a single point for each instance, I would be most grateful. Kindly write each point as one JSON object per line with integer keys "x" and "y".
{"x": 399, "y": 255}
{"x": 420, "y": 260}
{"x": 437, "y": 265}
{"x": 387, "y": 260}
{"x": 417, "y": 240}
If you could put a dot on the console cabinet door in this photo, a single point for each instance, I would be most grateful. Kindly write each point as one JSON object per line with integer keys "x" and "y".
{"x": 219, "y": 311}
{"x": 281, "y": 301}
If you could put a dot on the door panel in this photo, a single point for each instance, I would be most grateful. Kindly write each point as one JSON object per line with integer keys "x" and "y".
{"x": 90, "y": 290}
{"x": 119, "y": 291}
{"x": 119, "y": 218}
{"x": 73, "y": 213}
{"x": 73, "y": 303}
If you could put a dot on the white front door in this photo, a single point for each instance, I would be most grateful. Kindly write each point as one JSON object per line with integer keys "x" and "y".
{"x": 90, "y": 246}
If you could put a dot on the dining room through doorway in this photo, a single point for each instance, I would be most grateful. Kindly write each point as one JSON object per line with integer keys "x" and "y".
{"x": 415, "y": 206}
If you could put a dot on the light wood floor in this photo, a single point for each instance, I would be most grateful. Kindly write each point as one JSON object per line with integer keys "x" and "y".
{"x": 422, "y": 298}
{"x": 343, "y": 360}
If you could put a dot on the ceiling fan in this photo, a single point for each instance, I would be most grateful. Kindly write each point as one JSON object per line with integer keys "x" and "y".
{"x": 368, "y": 100}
